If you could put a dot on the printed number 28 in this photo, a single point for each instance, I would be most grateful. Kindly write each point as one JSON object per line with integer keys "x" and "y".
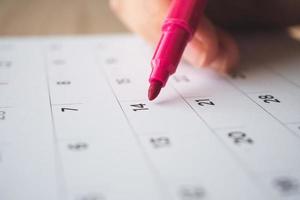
{"x": 268, "y": 98}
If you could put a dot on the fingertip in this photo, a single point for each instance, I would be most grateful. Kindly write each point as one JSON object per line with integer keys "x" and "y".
{"x": 203, "y": 49}
{"x": 228, "y": 57}
{"x": 207, "y": 37}
{"x": 199, "y": 54}
{"x": 231, "y": 52}
{"x": 194, "y": 54}
{"x": 114, "y": 5}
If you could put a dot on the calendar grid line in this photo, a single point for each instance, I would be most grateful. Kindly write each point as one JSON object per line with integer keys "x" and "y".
{"x": 232, "y": 153}
{"x": 6, "y": 106}
{"x": 148, "y": 160}
{"x": 60, "y": 175}
{"x": 283, "y": 77}
{"x": 270, "y": 114}
{"x": 63, "y": 104}
{"x": 76, "y": 124}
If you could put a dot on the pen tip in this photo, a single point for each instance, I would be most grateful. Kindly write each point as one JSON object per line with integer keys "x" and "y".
{"x": 154, "y": 89}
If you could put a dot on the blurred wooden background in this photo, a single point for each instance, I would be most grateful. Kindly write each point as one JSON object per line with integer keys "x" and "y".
{"x": 42, "y": 17}
{"x": 61, "y": 17}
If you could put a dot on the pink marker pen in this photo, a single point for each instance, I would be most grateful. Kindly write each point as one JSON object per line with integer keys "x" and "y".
{"x": 178, "y": 28}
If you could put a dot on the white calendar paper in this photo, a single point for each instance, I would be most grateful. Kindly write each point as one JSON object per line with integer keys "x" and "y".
{"x": 75, "y": 123}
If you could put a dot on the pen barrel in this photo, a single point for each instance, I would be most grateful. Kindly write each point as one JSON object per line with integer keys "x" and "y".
{"x": 177, "y": 30}
{"x": 169, "y": 52}
{"x": 186, "y": 13}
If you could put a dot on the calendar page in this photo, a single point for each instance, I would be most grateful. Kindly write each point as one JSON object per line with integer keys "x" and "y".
{"x": 75, "y": 123}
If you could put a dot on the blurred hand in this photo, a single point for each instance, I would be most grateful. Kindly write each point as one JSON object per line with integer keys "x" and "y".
{"x": 211, "y": 45}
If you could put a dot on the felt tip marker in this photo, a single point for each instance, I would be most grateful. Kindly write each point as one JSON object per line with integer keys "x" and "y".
{"x": 177, "y": 30}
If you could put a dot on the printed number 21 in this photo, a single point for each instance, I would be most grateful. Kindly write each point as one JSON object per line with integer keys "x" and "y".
{"x": 202, "y": 102}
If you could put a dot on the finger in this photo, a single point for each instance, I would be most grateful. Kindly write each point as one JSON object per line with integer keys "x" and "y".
{"x": 228, "y": 57}
{"x": 204, "y": 47}
{"x": 212, "y": 47}
{"x": 209, "y": 47}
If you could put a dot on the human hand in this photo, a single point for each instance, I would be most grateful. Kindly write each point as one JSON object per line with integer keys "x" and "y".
{"x": 210, "y": 45}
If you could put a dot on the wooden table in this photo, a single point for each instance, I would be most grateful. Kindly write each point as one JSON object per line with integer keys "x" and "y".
{"x": 45, "y": 17}
{"x": 60, "y": 17}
